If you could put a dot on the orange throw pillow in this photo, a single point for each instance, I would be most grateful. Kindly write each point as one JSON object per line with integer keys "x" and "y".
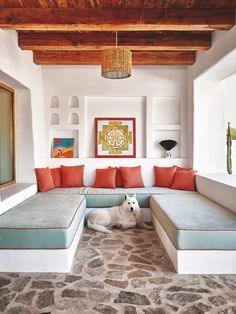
{"x": 132, "y": 177}
{"x": 164, "y": 176}
{"x": 184, "y": 169}
{"x": 105, "y": 178}
{"x": 119, "y": 181}
{"x": 72, "y": 176}
{"x": 44, "y": 179}
{"x": 56, "y": 177}
{"x": 184, "y": 180}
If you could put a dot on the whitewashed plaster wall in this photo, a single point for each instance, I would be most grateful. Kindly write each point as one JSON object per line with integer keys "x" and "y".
{"x": 230, "y": 111}
{"x": 155, "y": 96}
{"x": 206, "y": 93}
{"x": 18, "y": 71}
{"x": 230, "y": 100}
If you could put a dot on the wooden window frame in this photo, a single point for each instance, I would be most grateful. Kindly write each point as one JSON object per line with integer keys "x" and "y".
{"x": 4, "y": 86}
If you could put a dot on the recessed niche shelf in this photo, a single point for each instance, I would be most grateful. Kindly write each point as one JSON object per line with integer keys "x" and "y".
{"x": 74, "y": 102}
{"x": 54, "y": 103}
{"x": 74, "y": 118}
{"x": 54, "y": 119}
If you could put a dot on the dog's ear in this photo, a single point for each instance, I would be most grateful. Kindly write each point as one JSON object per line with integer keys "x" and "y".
{"x": 126, "y": 196}
{"x": 134, "y": 195}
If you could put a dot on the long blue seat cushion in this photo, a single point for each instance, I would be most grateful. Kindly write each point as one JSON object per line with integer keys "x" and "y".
{"x": 42, "y": 222}
{"x": 101, "y": 197}
{"x": 194, "y": 222}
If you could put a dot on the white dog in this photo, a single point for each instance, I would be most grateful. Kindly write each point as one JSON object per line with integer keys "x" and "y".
{"x": 126, "y": 216}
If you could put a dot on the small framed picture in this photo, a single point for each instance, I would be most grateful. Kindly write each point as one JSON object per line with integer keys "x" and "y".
{"x": 115, "y": 138}
{"x": 63, "y": 148}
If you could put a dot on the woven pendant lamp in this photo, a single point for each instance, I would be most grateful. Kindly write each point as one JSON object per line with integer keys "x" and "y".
{"x": 116, "y": 63}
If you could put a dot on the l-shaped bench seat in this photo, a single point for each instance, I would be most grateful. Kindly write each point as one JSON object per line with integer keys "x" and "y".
{"x": 42, "y": 233}
{"x": 102, "y": 197}
{"x": 198, "y": 233}
{"x": 44, "y": 228}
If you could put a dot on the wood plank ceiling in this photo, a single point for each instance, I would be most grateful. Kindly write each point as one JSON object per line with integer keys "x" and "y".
{"x": 159, "y": 32}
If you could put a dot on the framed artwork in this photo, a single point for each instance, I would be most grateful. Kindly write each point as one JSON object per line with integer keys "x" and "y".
{"x": 115, "y": 137}
{"x": 63, "y": 148}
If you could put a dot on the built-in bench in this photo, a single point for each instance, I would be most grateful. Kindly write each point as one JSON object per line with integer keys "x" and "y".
{"x": 101, "y": 197}
{"x": 198, "y": 234}
{"x": 42, "y": 233}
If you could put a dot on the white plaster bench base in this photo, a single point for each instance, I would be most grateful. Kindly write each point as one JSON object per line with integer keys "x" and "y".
{"x": 39, "y": 260}
{"x": 197, "y": 261}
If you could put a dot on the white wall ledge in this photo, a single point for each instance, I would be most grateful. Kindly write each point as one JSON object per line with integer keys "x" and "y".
{"x": 221, "y": 177}
{"x": 220, "y": 188}
{"x": 15, "y": 194}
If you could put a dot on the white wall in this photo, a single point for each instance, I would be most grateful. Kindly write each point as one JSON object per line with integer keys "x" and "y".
{"x": 206, "y": 102}
{"x": 230, "y": 100}
{"x": 151, "y": 91}
{"x": 209, "y": 130}
{"x": 18, "y": 71}
{"x": 230, "y": 111}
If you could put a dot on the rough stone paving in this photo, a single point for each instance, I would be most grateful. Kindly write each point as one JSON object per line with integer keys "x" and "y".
{"x": 126, "y": 272}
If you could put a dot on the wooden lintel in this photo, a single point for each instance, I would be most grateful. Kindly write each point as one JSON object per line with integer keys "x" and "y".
{"x": 94, "y": 57}
{"x": 103, "y": 40}
{"x": 108, "y": 19}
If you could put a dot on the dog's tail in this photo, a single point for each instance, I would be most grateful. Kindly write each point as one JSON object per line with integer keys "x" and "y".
{"x": 97, "y": 227}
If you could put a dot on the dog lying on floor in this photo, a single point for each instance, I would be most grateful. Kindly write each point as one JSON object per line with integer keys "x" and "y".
{"x": 126, "y": 216}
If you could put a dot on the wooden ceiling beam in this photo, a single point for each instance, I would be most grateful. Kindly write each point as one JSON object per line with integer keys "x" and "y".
{"x": 104, "y": 40}
{"x": 93, "y": 57}
{"x": 116, "y": 19}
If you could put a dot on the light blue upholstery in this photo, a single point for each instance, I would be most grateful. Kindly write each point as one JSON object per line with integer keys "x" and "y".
{"x": 42, "y": 221}
{"x": 100, "y": 197}
{"x": 194, "y": 222}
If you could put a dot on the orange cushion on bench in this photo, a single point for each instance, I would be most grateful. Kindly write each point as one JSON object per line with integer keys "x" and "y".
{"x": 119, "y": 181}
{"x": 56, "y": 177}
{"x": 72, "y": 176}
{"x": 164, "y": 176}
{"x": 44, "y": 179}
{"x": 132, "y": 177}
{"x": 184, "y": 180}
{"x": 105, "y": 178}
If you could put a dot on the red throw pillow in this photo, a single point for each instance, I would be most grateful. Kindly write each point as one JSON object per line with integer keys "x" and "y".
{"x": 132, "y": 177}
{"x": 105, "y": 178}
{"x": 56, "y": 177}
{"x": 164, "y": 176}
{"x": 44, "y": 179}
{"x": 184, "y": 180}
{"x": 72, "y": 176}
{"x": 184, "y": 169}
{"x": 119, "y": 181}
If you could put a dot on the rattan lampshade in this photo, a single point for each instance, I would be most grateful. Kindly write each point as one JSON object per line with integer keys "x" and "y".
{"x": 116, "y": 63}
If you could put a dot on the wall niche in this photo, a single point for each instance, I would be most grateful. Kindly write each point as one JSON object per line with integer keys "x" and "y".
{"x": 74, "y": 118}
{"x": 74, "y": 102}
{"x": 55, "y": 119}
{"x": 54, "y": 103}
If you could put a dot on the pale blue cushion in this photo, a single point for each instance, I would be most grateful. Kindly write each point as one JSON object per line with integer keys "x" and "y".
{"x": 101, "y": 197}
{"x": 193, "y": 222}
{"x": 42, "y": 221}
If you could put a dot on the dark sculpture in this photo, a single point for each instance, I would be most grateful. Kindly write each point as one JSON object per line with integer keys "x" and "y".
{"x": 168, "y": 145}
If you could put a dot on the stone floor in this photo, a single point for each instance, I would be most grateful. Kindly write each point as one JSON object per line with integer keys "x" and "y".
{"x": 127, "y": 272}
